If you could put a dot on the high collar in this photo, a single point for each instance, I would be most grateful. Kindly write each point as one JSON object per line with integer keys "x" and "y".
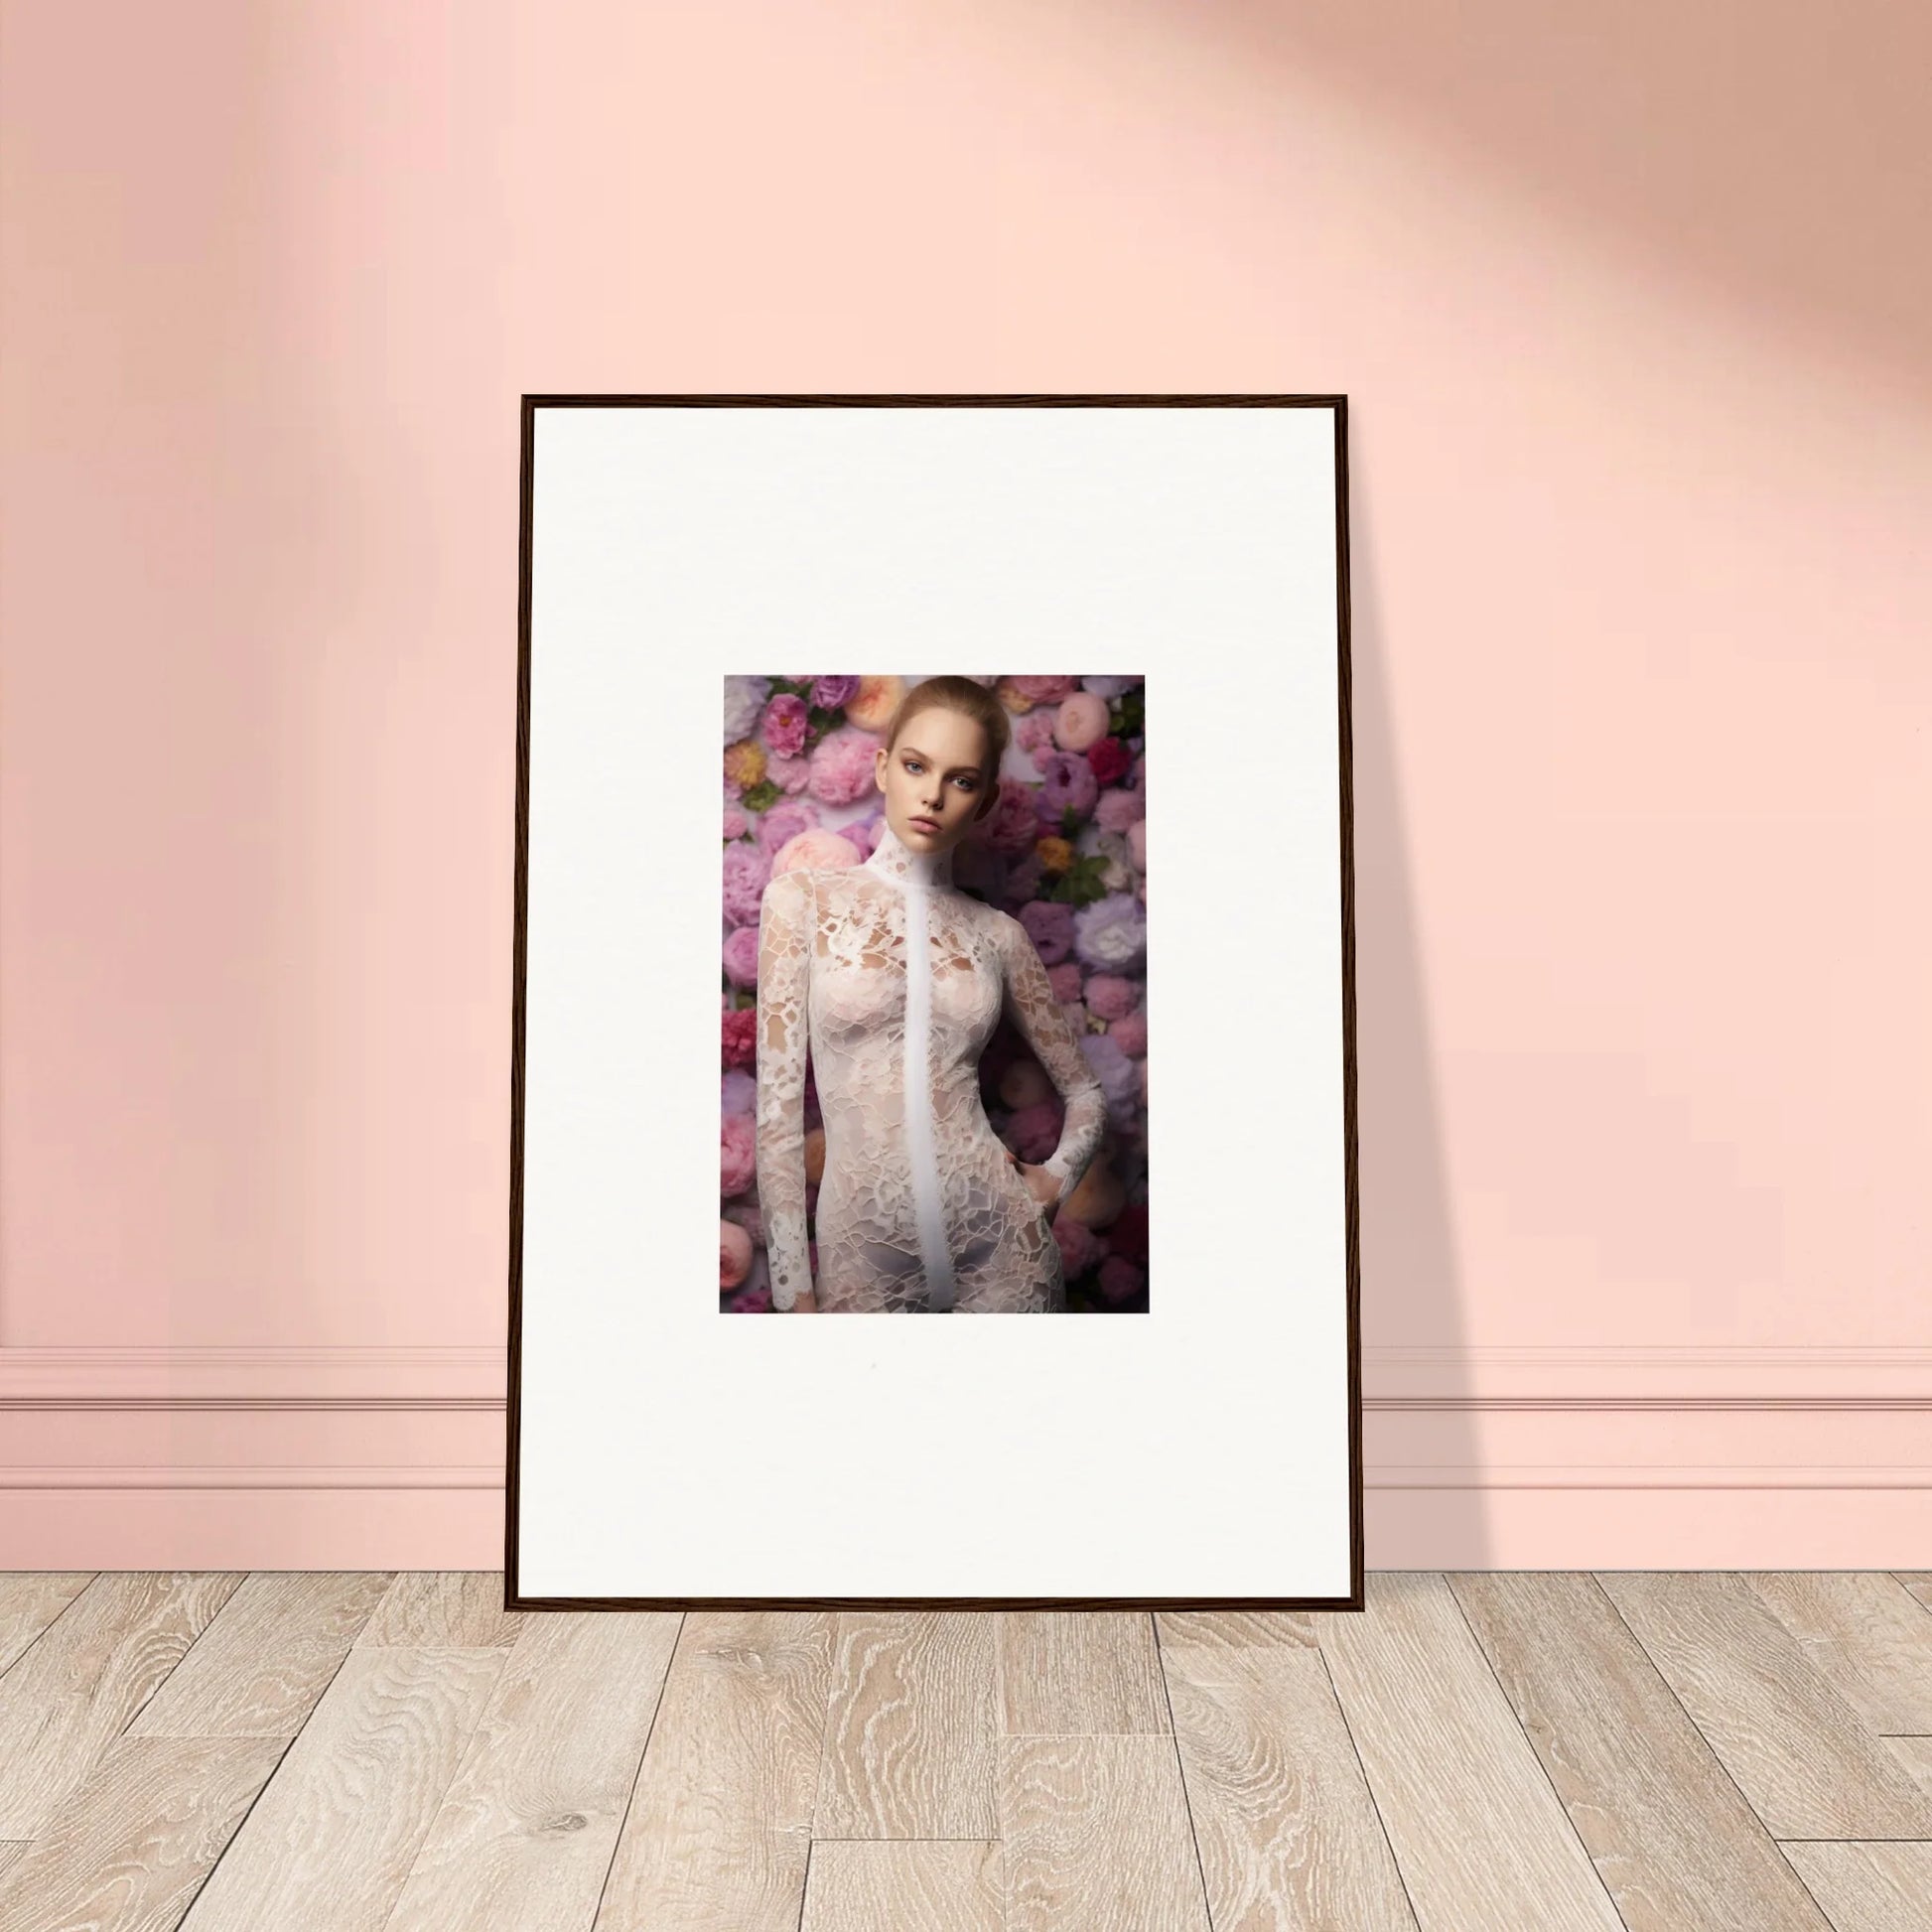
{"x": 893, "y": 859}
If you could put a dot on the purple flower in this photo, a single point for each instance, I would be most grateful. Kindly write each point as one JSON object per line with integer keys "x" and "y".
{"x": 786, "y": 722}
{"x": 746, "y": 869}
{"x": 784, "y": 822}
{"x": 744, "y": 699}
{"x": 828, "y": 693}
{"x": 1066, "y": 778}
{"x": 738, "y": 1094}
{"x": 741, "y": 956}
{"x": 1049, "y": 926}
{"x": 1111, "y": 933}
{"x": 1119, "y": 1076}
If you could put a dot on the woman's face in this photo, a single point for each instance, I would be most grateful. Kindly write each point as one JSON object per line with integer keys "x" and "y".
{"x": 932, "y": 782}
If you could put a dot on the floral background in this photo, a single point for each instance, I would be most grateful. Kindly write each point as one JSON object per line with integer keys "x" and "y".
{"x": 1063, "y": 851}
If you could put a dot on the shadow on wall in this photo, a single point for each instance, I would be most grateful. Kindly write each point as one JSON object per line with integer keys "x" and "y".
{"x": 1772, "y": 150}
{"x": 1412, "y": 1284}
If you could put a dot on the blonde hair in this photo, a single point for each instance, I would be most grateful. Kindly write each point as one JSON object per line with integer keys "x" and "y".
{"x": 971, "y": 700}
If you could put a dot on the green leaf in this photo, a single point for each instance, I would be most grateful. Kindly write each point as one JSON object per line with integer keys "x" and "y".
{"x": 761, "y": 796}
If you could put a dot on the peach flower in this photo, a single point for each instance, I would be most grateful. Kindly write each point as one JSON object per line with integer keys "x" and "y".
{"x": 734, "y": 1254}
{"x": 1055, "y": 855}
{"x": 816, "y": 846}
{"x": 871, "y": 708}
{"x": 1081, "y": 721}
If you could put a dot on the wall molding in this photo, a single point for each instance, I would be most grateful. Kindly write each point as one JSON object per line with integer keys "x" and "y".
{"x": 158, "y": 1475}
{"x": 1399, "y": 1380}
{"x": 1582, "y": 1379}
{"x": 401, "y": 1378}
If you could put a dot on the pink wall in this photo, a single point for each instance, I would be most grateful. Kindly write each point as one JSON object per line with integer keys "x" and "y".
{"x": 1632, "y": 314}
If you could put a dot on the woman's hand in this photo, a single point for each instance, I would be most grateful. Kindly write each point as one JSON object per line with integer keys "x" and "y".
{"x": 1044, "y": 1186}
{"x": 804, "y": 1303}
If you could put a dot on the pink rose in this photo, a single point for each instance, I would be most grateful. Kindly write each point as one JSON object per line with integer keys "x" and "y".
{"x": 1120, "y": 1280}
{"x": 738, "y": 1153}
{"x": 786, "y": 720}
{"x": 1129, "y": 1033}
{"x": 1034, "y": 734}
{"x": 789, "y": 774}
{"x": 1012, "y": 824}
{"x": 1112, "y": 997}
{"x": 1065, "y": 979}
{"x": 1118, "y": 810}
{"x": 842, "y": 765}
{"x": 741, "y": 956}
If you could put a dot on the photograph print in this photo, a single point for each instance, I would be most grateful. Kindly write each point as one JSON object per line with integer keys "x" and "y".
{"x": 934, "y": 967}
{"x": 935, "y": 964}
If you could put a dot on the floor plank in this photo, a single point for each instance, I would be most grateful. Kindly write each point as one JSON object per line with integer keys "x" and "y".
{"x": 129, "y": 1849}
{"x": 1287, "y": 1830}
{"x": 1097, "y": 1837}
{"x": 905, "y": 1885}
{"x": 1795, "y": 1747}
{"x": 1918, "y": 1582}
{"x": 525, "y": 1835}
{"x": 258, "y": 1667}
{"x": 1079, "y": 1672}
{"x": 911, "y": 1728}
{"x": 332, "y": 1839}
{"x": 1866, "y": 1635}
{"x": 1668, "y": 1832}
{"x": 433, "y": 1610}
{"x": 1238, "y": 1629}
{"x": 1480, "y": 1837}
{"x": 1868, "y": 1887}
{"x": 76, "y": 1690}
{"x": 1915, "y": 1755}
{"x": 30, "y": 1600}
{"x": 718, "y": 1833}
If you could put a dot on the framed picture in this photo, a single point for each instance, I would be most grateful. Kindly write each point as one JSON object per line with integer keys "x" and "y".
{"x": 941, "y": 983}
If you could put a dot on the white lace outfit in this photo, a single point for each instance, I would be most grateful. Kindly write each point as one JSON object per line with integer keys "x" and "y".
{"x": 896, "y": 978}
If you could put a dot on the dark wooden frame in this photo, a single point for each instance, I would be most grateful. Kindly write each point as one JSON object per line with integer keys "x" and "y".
{"x": 513, "y": 1599}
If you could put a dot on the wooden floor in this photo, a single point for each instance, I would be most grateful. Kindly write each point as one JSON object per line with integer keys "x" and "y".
{"x": 1543, "y": 1750}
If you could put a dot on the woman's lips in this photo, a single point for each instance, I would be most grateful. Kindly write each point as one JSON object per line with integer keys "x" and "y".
{"x": 927, "y": 824}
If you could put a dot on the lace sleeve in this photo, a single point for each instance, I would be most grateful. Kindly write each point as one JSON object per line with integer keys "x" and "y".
{"x": 786, "y": 920}
{"x": 1047, "y": 1029}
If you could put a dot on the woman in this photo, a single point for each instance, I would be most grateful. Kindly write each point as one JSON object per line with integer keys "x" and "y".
{"x": 897, "y": 979}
